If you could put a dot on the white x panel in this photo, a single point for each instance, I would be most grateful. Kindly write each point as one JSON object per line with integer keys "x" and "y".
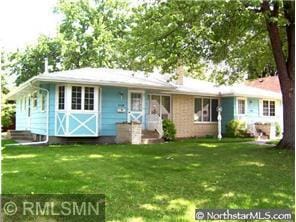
{"x": 82, "y": 124}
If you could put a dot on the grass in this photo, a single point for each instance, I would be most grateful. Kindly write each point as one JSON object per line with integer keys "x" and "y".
{"x": 162, "y": 182}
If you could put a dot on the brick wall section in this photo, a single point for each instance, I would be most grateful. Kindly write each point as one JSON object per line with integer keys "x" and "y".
{"x": 183, "y": 108}
{"x": 128, "y": 133}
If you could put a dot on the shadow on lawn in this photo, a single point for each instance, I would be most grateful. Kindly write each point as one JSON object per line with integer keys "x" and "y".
{"x": 158, "y": 182}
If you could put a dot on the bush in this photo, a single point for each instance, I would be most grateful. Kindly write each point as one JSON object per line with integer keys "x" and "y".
{"x": 169, "y": 130}
{"x": 236, "y": 128}
{"x": 278, "y": 130}
{"x": 7, "y": 115}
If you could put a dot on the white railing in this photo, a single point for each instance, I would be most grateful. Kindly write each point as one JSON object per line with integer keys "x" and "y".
{"x": 154, "y": 122}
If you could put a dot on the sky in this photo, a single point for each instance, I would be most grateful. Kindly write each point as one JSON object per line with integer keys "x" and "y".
{"x": 22, "y": 21}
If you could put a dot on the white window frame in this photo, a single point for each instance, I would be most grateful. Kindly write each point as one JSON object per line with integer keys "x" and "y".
{"x": 57, "y": 96}
{"x": 202, "y": 98}
{"x": 262, "y": 107}
{"x": 161, "y": 95}
{"x": 42, "y": 102}
{"x": 35, "y": 99}
{"x": 82, "y": 99}
{"x": 237, "y": 106}
{"x": 68, "y": 98}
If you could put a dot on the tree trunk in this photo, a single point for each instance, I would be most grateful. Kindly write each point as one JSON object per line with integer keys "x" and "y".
{"x": 286, "y": 69}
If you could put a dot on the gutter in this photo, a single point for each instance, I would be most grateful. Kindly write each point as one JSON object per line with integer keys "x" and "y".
{"x": 47, "y": 121}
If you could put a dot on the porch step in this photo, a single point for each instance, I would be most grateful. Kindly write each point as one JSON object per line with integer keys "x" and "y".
{"x": 150, "y": 137}
{"x": 152, "y": 140}
{"x": 149, "y": 134}
{"x": 19, "y": 134}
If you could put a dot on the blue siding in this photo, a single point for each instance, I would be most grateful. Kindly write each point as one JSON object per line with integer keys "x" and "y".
{"x": 228, "y": 105}
{"x": 38, "y": 118}
{"x": 52, "y": 89}
{"x": 253, "y": 107}
{"x": 21, "y": 115}
{"x": 111, "y": 99}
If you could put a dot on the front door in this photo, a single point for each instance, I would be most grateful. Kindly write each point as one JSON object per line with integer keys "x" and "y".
{"x": 29, "y": 113}
{"x": 136, "y": 106}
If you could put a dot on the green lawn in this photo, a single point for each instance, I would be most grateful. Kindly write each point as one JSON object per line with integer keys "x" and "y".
{"x": 162, "y": 182}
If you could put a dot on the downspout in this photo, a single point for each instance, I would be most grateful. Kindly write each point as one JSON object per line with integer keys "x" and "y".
{"x": 47, "y": 121}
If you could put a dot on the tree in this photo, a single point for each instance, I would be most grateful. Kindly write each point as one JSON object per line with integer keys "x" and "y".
{"x": 248, "y": 37}
{"x": 7, "y": 109}
{"x": 30, "y": 62}
{"x": 89, "y": 36}
{"x": 91, "y": 33}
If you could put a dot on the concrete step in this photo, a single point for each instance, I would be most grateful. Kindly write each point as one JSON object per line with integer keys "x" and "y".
{"x": 146, "y": 134}
{"x": 19, "y": 134}
{"x": 22, "y": 137}
{"x": 19, "y": 131}
{"x": 152, "y": 140}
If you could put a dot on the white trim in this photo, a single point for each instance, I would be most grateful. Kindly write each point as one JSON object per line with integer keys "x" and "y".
{"x": 68, "y": 112}
{"x": 57, "y": 97}
{"x": 82, "y": 98}
{"x": 42, "y": 99}
{"x": 100, "y": 111}
{"x": 275, "y": 108}
{"x": 35, "y": 99}
{"x": 142, "y": 113}
{"x": 246, "y": 106}
{"x": 160, "y": 111}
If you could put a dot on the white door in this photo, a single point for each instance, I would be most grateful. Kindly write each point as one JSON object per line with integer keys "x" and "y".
{"x": 29, "y": 113}
{"x": 136, "y": 110}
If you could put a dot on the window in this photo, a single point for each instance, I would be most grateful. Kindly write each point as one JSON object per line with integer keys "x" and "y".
{"x": 155, "y": 105}
{"x": 265, "y": 108}
{"x": 268, "y": 108}
{"x": 136, "y": 102}
{"x": 197, "y": 109}
{"x": 61, "y": 98}
{"x": 160, "y": 105}
{"x": 25, "y": 103}
{"x": 89, "y": 98}
{"x": 272, "y": 108}
{"x": 42, "y": 102}
{"x": 165, "y": 107}
{"x": 205, "y": 110}
{"x": 76, "y": 97}
{"x": 35, "y": 99}
{"x": 214, "y": 105}
{"x": 241, "y": 106}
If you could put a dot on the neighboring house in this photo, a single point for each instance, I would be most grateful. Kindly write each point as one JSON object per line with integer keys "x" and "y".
{"x": 87, "y": 104}
{"x": 271, "y": 83}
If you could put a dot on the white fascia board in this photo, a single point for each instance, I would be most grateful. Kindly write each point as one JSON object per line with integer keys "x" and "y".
{"x": 11, "y": 95}
{"x": 263, "y": 96}
{"x": 108, "y": 83}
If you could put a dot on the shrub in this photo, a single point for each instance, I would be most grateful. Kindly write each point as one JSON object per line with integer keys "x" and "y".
{"x": 169, "y": 130}
{"x": 278, "y": 130}
{"x": 7, "y": 115}
{"x": 236, "y": 128}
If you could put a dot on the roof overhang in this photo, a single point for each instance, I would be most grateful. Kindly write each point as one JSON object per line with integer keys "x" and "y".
{"x": 39, "y": 79}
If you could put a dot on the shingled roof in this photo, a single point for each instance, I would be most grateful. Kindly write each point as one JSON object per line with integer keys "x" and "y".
{"x": 271, "y": 83}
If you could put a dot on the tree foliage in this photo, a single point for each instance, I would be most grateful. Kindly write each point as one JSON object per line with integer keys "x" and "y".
{"x": 30, "y": 62}
{"x": 7, "y": 109}
{"x": 89, "y": 34}
{"x": 226, "y": 33}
